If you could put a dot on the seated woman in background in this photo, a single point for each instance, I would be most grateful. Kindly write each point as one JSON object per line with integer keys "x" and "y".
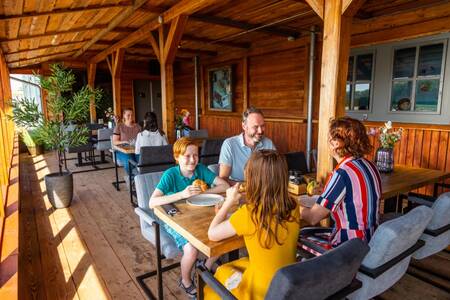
{"x": 125, "y": 132}
{"x": 352, "y": 193}
{"x": 151, "y": 135}
{"x": 177, "y": 184}
{"x": 269, "y": 223}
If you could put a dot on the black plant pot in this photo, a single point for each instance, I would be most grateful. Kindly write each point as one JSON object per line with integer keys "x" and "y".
{"x": 59, "y": 189}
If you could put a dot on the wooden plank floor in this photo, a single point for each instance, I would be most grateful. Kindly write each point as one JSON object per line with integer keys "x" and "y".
{"x": 94, "y": 249}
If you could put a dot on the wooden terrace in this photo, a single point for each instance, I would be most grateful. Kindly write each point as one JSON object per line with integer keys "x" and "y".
{"x": 301, "y": 62}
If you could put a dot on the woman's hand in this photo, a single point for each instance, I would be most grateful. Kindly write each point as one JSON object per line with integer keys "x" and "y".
{"x": 190, "y": 191}
{"x": 233, "y": 196}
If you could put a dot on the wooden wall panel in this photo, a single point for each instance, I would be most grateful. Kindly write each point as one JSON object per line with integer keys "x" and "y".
{"x": 420, "y": 146}
{"x": 277, "y": 83}
{"x": 184, "y": 82}
{"x": 130, "y": 72}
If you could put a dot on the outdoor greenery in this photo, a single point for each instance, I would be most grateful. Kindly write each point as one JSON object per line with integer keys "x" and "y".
{"x": 68, "y": 112}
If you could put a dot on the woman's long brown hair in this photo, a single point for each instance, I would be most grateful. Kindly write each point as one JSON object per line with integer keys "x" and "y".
{"x": 271, "y": 207}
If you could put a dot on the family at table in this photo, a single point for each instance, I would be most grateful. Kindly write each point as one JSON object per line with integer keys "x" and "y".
{"x": 269, "y": 219}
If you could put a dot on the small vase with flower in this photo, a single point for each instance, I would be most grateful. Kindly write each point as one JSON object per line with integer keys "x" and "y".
{"x": 388, "y": 137}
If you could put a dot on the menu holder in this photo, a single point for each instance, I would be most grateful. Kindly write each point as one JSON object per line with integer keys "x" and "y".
{"x": 170, "y": 209}
{"x": 297, "y": 189}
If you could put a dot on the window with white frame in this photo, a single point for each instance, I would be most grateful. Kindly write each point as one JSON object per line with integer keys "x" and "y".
{"x": 359, "y": 82}
{"x": 416, "y": 82}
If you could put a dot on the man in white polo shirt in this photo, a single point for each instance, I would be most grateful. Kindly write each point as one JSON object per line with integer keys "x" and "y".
{"x": 236, "y": 150}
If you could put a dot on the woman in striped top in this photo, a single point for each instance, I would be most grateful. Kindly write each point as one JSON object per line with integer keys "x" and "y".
{"x": 352, "y": 192}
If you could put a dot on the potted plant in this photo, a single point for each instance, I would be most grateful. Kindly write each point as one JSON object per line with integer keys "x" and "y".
{"x": 68, "y": 112}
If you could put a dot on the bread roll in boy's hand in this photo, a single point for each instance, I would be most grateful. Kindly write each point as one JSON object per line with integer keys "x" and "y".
{"x": 201, "y": 184}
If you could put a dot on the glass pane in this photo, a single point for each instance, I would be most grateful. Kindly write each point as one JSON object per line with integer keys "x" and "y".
{"x": 364, "y": 67}
{"x": 362, "y": 96}
{"x": 404, "y": 63}
{"x": 348, "y": 96}
{"x": 350, "y": 68}
{"x": 401, "y": 94}
{"x": 427, "y": 94}
{"x": 430, "y": 60}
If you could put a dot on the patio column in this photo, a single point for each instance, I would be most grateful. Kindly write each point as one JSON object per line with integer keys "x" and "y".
{"x": 337, "y": 18}
{"x": 165, "y": 52}
{"x": 91, "y": 68}
{"x": 115, "y": 63}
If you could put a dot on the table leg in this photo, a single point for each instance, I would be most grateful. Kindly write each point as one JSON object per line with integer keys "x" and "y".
{"x": 200, "y": 286}
{"x": 80, "y": 159}
{"x": 117, "y": 171}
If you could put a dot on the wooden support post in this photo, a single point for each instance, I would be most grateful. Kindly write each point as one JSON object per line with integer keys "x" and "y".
{"x": 167, "y": 50}
{"x": 115, "y": 64}
{"x": 336, "y": 35}
{"x": 91, "y": 68}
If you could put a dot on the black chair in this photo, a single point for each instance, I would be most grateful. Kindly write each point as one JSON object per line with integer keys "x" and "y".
{"x": 329, "y": 276}
{"x": 297, "y": 161}
{"x": 151, "y": 159}
{"x": 210, "y": 151}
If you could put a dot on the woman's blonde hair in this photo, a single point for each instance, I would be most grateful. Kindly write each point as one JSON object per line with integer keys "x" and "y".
{"x": 180, "y": 146}
{"x": 266, "y": 175}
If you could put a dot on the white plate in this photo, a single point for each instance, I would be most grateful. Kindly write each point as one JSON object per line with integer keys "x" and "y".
{"x": 308, "y": 201}
{"x": 205, "y": 200}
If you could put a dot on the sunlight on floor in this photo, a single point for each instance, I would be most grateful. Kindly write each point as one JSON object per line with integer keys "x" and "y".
{"x": 74, "y": 257}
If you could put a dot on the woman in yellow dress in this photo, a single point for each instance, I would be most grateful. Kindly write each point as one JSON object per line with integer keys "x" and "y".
{"x": 268, "y": 222}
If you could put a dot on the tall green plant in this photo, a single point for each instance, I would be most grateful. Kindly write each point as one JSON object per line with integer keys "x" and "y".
{"x": 67, "y": 110}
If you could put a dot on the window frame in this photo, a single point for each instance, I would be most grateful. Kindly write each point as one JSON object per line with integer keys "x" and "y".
{"x": 353, "y": 82}
{"x": 415, "y": 78}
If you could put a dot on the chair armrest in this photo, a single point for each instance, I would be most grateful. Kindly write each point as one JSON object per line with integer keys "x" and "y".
{"x": 438, "y": 231}
{"x": 218, "y": 287}
{"x": 144, "y": 216}
{"x": 309, "y": 230}
{"x": 312, "y": 245}
{"x": 353, "y": 286}
{"x": 375, "y": 272}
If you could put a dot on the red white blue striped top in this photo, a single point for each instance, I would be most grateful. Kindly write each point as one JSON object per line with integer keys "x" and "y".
{"x": 352, "y": 194}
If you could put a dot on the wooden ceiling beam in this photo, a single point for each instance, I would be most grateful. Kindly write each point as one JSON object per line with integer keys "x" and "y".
{"x": 41, "y": 56}
{"x": 173, "y": 38}
{"x": 46, "y": 47}
{"x": 111, "y": 25}
{"x": 351, "y": 7}
{"x": 192, "y": 38}
{"x": 183, "y": 7}
{"x": 245, "y": 26}
{"x": 154, "y": 45}
{"x": 52, "y": 33}
{"x": 61, "y": 11}
{"x": 317, "y": 6}
{"x": 196, "y": 51}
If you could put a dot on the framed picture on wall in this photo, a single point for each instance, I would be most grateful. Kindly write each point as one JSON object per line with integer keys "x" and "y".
{"x": 220, "y": 96}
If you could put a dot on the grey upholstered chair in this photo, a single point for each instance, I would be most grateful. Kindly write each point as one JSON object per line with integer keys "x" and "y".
{"x": 145, "y": 185}
{"x": 390, "y": 252}
{"x": 437, "y": 233}
{"x": 329, "y": 276}
{"x": 151, "y": 159}
{"x": 210, "y": 151}
{"x": 198, "y": 134}
{"x": 104, "y": 139}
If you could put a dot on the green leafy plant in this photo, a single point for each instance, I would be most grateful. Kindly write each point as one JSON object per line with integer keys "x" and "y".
{"x": 67, "y": 110}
